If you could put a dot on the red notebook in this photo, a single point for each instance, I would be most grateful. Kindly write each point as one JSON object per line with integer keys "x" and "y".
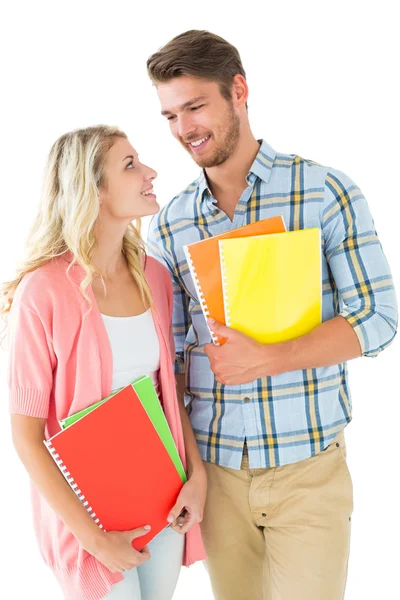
{"x": 116, "y": 463}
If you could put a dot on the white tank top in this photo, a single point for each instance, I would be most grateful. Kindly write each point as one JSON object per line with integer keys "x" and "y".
{"x": 135, "y": 348}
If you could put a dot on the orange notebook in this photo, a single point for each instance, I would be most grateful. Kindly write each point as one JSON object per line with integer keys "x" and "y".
{"x": 204, "y": 264}
{"x": 118, "y": 466}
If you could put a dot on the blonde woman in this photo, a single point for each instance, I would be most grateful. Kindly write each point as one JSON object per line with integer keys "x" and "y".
{"x": 89, "y": 312}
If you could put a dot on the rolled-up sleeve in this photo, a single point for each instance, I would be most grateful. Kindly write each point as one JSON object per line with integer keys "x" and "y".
{"x": 367, "y": 299}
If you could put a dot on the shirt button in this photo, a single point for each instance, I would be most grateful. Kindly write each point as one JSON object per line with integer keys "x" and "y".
{"x": 264, "y": 514}
{"x": 215, "y": 211}
{"x": 246, "y": 399}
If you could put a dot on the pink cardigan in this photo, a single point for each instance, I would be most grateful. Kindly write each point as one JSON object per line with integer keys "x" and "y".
{"x": 60, "y": 361}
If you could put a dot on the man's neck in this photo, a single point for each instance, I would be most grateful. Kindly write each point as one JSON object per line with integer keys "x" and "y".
{"x": 228, "y": 181}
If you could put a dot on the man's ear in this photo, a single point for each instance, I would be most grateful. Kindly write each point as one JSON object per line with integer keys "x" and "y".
{"x": 240, "y": 90}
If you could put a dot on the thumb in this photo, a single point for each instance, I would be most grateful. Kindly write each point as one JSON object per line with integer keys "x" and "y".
{"x": 175, "y": 511}
{"x": 138, "y": 532}
{"x": 220, "y": 329}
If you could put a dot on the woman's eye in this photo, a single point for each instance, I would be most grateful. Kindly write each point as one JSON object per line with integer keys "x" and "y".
{"x": 130, "y": 165}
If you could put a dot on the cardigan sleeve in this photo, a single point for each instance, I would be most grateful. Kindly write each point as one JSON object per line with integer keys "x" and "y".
{"x": 31, "y": 362}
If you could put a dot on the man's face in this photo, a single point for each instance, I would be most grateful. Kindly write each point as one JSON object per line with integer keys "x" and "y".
{"x": 201, "y": 119}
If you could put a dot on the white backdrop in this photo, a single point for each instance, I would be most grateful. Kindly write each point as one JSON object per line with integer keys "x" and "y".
{"x": 323, "y": 80}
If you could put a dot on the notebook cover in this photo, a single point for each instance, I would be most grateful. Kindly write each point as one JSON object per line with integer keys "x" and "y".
{"x": 272, "y": 284}
{"x": 64, "y": 423}
{"x": 118, "y": 466}
{"x": 204, "y": 264}
{"x": 145, "y": 389}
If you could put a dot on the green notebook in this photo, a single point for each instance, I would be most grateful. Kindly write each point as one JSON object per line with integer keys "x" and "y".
{"x": 148, "y": 396}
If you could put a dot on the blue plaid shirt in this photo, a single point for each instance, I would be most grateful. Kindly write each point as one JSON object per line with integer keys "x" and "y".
{"x": 292, "y": 416}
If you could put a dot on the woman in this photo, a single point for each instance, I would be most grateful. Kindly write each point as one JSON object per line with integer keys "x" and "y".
{"x": 89, "y": 314}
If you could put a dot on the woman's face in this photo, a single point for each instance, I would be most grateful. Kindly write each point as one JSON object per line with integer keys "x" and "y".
{"x": 127, "y": 192}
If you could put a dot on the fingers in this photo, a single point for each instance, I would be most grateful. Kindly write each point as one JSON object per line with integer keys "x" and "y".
{"x": 145, "y": 554}
{"x": 138, "y": 532}
{"x": 178, "y": 522}
{"x": 137, "y": 559}
{"x": 175, "y": 511}
{"x": 182, "y": 528}
{"x": 183, "y": 524}
{"x": 180, "y": 518}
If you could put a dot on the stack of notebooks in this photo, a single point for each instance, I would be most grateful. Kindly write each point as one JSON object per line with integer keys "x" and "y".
{"x": 260, "y": 279}
{"x": 120, "y": 458}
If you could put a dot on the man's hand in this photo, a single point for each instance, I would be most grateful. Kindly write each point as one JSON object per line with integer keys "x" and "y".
{"x": 241, "y": 359}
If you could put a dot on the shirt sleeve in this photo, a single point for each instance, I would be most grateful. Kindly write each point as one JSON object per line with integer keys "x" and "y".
{"x": 362, "y": 276}
{"x": 181, "y": 320}
{"x": 31, "y": 363}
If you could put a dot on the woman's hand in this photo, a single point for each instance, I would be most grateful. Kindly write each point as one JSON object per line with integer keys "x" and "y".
{"x": 115, "y": 551}
{"x": 191, "y": 500}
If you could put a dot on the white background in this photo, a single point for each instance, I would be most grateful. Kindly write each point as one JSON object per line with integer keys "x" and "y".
{"x": 323, "y": 80}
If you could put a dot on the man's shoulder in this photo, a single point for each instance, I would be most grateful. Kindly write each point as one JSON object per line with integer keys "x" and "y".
{"x": 320, "y": 172}
{"x": 180, "y": 207}
{"x": 291, "y": 161}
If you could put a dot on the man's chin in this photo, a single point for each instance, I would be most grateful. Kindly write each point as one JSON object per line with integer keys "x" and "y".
{"x": 211, "y": 162}
{"x": 206, "y": 162}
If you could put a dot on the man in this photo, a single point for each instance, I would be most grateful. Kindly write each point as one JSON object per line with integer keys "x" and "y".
{"x": 268, "y": 419}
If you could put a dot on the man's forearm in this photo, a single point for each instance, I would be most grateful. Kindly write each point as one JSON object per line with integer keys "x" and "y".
{"x": 330, "y": 343}
{"x": 194, "y": 463}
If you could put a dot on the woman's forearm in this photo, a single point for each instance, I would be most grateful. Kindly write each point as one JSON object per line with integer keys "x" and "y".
{"x": 45, "y": 474}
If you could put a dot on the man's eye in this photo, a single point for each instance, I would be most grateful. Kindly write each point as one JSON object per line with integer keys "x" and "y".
{"x": 170, "y": 118}
{"x": 197, "y": 107}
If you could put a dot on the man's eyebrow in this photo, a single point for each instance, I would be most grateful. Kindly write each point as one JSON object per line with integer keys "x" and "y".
{"x": 185, "y": 105}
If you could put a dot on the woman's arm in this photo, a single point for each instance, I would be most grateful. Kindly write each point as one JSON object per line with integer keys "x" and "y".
{"x": 193, "y": 494}
{"x": 30, "y": 379}
{"x": 28, "y": 434}
{"x": 113, "y": 549}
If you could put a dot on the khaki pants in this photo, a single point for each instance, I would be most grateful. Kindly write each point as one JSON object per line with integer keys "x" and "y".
{"x": 280, "y": 533}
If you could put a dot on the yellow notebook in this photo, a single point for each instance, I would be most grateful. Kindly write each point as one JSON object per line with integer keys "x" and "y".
{"x": 272, "y": 284}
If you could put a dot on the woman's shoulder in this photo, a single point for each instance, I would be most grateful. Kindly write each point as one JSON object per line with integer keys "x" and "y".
{"x": 154, "y": 268}
{"x": 41, "y": 286}
{"x": 159, "y": 280}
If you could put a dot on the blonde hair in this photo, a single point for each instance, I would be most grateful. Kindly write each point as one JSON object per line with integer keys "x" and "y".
{"x": 69, "y": 209}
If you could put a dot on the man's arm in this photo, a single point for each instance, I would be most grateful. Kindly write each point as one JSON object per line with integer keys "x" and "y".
{"x": 367, "y": 299}
{"x": 367, "y": 313}
{"x": 180, "y": 323}
{"x": 242, "y": 360}
{"x": 367, "y": 317}
{"x": 181, "y": 320}
{"x": 194, "y": 463}
{"x": 189, "y": 506}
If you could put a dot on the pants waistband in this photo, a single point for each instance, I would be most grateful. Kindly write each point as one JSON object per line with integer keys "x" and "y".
{"x": 338, "y": 438}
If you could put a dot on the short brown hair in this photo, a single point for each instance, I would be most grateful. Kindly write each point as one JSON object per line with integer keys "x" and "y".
{"x": 200, "y": 54}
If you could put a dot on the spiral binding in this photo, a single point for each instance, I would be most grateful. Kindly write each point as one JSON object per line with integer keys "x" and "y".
{"x": 200, "y": 294}
{"x": 224, "y": 285}
{"x": 72, "y": 482}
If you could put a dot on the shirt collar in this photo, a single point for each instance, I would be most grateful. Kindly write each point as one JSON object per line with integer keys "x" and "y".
{"x": 203, "y": 184}
{"x": 263, "y": 162}
{"x": 261, "y": 167}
